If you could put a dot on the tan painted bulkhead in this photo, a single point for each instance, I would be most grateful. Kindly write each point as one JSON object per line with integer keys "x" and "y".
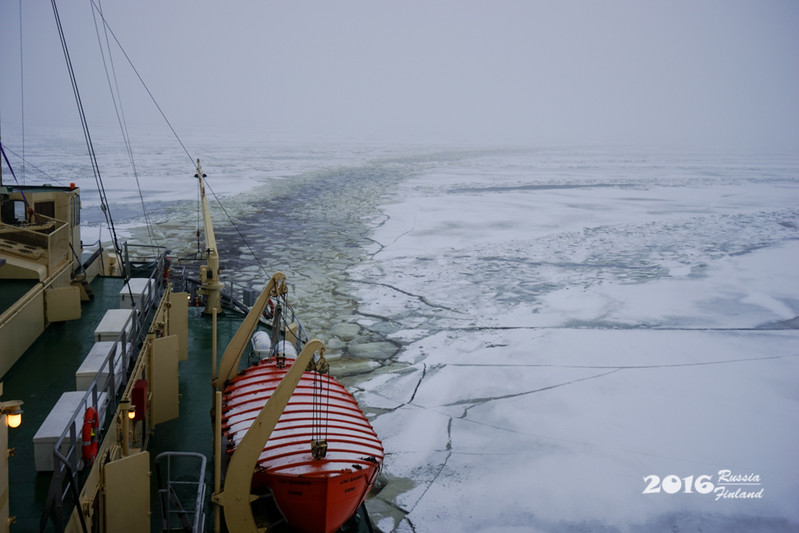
{"x": 38, "y": 233}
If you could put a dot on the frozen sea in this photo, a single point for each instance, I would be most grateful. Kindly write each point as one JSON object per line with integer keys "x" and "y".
{"x": 553, "y": 339}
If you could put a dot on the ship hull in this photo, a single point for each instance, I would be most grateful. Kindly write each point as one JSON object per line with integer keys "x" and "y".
{"x": 319, "y": 504}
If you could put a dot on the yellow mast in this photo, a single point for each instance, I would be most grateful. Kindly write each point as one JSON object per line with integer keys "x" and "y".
{"x": 209, "y": 274}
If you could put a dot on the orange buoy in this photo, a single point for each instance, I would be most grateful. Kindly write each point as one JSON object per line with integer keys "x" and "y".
{"x": 90, "y": 423}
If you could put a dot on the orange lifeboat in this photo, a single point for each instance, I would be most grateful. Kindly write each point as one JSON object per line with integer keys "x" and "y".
{"x": 322, "y": 457}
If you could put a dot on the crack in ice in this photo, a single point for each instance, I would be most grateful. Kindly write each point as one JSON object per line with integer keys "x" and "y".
{"x": 441, "y": 467}
{"x": 629, "y": 367}
{"x": 481, "y": 401}
{"x": 418, "y": 383}
{"x": 419, "y": 297}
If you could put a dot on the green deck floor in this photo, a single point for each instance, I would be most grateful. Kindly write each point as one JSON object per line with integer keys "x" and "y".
{"x": 38, "y": 378}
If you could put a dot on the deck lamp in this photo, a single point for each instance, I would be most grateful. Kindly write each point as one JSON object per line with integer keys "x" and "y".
{"x": 13, "y": 411}
{"x": 132, "y": 412}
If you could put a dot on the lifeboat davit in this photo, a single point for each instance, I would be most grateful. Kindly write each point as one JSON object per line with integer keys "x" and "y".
{"x": 316, "y": 487}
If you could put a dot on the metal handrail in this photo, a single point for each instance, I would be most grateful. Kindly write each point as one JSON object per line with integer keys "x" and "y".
{"x": 159, "y": 254}
{"x": 172, "y": 505}
{"x": 66, "y": 464}
{"x": 52, "y": 242}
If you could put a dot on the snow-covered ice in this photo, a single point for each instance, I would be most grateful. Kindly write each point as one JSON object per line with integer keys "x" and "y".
{"x": 576, "y": 322}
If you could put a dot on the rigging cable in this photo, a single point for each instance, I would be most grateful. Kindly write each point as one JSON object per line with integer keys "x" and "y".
{"x": 37, "y": 169}
{"x": 11, "y": 169}
{"x": 22, "y": 91}
{"x": 235, "y": 227}
{"x": 141, "y": 80}
{"x": 87, "y": 136}
{"x": 116, "y": 96}
{"x": 169, "y": 124}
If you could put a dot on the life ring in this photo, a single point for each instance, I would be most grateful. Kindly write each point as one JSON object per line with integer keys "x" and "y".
{"x": 90, "y": 423}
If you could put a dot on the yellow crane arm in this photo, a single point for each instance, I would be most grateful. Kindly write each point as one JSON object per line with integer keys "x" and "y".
{"x": 230, "y": 359}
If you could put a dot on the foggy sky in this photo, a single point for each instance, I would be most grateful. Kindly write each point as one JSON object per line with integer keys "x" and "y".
{"x": 720, "y": 74}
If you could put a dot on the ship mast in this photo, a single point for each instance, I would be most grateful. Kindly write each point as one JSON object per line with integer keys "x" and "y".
{"x": 209, "y": 274}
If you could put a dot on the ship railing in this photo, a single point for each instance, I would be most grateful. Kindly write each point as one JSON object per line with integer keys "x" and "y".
{"x": 66, "y": 466}
{"x": 235, "y": 296}
{"x": 181, "y": 490}
{"x": 290, "y": 319}
{"x": 141, "y": 254}
{"x": 102, "y": 396}
{"x": 238, "y": 296}
{"x": 248, "y": 297}
{"x": 45, "y": 243}
{"x": 178, "y": 277}
{"x": 94, "y": 249}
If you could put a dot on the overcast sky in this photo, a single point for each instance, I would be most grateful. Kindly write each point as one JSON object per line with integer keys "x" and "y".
{"x": 664, "y": 73}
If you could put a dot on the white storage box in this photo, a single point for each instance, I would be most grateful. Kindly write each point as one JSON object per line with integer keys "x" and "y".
{"x": 55, "y": 424}
{"x": 111, "y": 325}
{"x": 95, "y": 362}
{"x": 137, "y": 287}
